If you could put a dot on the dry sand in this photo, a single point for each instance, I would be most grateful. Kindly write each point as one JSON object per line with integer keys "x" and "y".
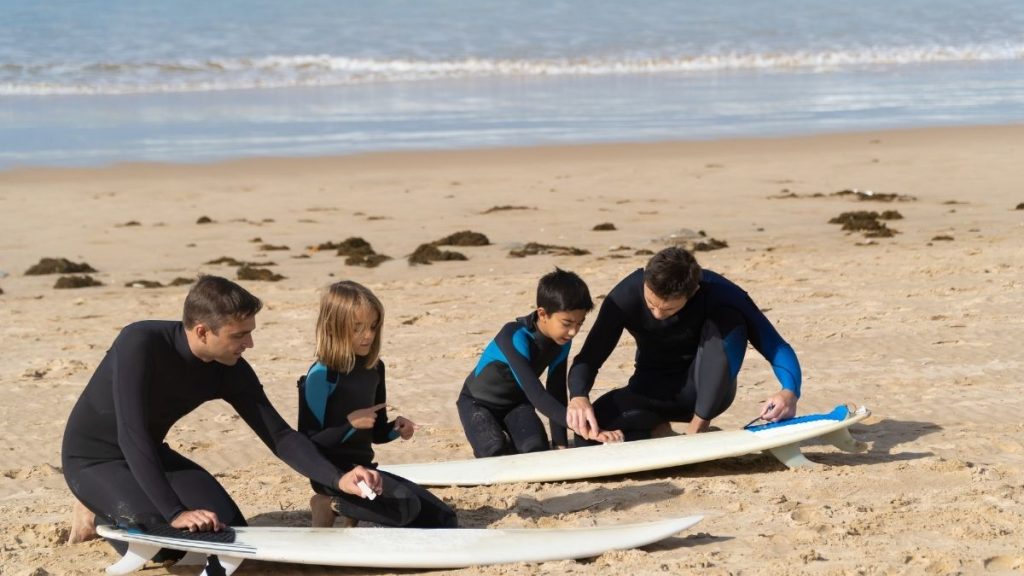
{"x": 922, "y": 331}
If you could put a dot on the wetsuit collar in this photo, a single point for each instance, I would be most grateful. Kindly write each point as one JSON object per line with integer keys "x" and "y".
{"x": 181, "y": 346}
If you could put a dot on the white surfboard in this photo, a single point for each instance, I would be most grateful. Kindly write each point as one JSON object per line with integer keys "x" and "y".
{"x": 397, "y": 547}
{"x": 782, "y": 439}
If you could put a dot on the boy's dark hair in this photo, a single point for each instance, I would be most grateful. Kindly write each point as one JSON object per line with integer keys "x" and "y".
{"x": 560, "y": 291}
{"x": 215, "y": 301}
{"x": 672, "y": 273}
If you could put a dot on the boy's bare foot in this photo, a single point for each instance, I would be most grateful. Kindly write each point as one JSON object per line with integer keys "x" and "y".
{"x": 323, "y": 514}
{"x": 663, "y": 430}
{"x": 83, "y": 524}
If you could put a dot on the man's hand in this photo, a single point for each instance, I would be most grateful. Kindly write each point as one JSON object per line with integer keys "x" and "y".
{"x": 780, "y": 406}
{"x": 580, "y": 417}
{"x": 197, "y": 521}
{"x": 349, "y": 482}
{"x": 609, "y": 436}
{"x": 364, "y": 418}
{"x": 405, "y": 427}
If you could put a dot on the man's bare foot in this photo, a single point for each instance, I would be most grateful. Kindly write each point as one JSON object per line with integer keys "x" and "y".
{"x": 323, "y": 514}
{"x": 83, "y": 524}
{"x": 663, "y": 430}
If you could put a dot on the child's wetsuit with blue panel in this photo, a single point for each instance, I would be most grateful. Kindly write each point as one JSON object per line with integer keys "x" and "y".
{"x": 326, "y": 398}
{"x": 500, "y": 397}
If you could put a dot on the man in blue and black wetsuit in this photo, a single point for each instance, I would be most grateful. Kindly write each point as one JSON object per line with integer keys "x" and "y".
{"x": 115, "y": 460}
{"x": 499, "y": 401}
{"x": 691, "y": 328}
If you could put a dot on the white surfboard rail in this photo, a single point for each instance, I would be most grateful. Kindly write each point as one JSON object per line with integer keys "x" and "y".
{"x": 399, "y": 547}
{"x": 782, "y": 439}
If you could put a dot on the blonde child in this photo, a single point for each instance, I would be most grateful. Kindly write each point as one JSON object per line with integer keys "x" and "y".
{"x": 342, "y": 408}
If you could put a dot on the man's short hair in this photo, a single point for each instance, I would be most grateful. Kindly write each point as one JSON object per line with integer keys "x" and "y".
{"x": 560, "y": 291}
{"x": 672, "y": 273}
{"x": 214, "y": 301}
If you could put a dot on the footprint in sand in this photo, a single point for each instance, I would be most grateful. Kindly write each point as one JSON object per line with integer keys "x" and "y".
{"x": 1004, "y": 563}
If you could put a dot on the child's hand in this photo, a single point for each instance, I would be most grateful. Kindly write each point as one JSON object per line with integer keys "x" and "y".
{"x": 610, "y": 436}
{"x": 405, "y": 427}
{"x": 364, "y": 417}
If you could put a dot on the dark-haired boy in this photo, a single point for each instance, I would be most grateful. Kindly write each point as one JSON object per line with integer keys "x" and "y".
{"x": 500, "y": 398}
{"x": 691, "y": 328}
{"x": 114, "y": 457}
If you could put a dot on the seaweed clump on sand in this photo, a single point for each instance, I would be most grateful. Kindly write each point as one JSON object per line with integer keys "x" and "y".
{"x": 247, "y": 272}
{"x": 869, "y": 196}
{"x": 709, "y": 245}
{"x": 868, "y": 222}
{"x": 204, "y": 220}
{"x": 428, "y": 253}
{"x": 273, "y": 247}
{"x": 463, "y": 238}
{"x": 359, "y": 252}
{"x": 143, "y": 284}
{"x": 942, "y": 238}
{"x": 229, "y": 261}
{"x": 179, "y": 281}
{"x": 83, "y": 281}
{"x": 505, "y": 208}
{"x": 1020, "y": 206}
{"x": 58, "y": 266}
{"x": 431, "y": 251}
{"x": 604, "y": 227}
{"x": 535, "y": 248}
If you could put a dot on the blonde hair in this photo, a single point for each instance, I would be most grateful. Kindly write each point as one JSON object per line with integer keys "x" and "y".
{"x": 336, "y": 325}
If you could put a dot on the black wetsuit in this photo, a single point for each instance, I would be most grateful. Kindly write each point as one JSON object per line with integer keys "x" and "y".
{"x": 687, "y": 363}
{"x": 326, "y": 398}
{"x": 114, "y": 457}
{"x": 501, "y": 395}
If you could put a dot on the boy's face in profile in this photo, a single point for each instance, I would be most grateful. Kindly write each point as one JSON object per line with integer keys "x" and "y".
{"x": 560, "y": 326}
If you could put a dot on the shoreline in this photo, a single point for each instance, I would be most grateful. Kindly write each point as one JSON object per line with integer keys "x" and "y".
{"x": 506, "y": 151}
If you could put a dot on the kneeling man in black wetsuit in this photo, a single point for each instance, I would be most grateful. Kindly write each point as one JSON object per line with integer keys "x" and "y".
{"x": 115, "y": 460}
{"x": 691, "y": 328}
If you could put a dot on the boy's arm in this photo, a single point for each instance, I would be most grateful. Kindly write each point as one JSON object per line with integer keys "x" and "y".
{"x": 383, "y": 431}
{"x": 514, "y": 345}
{"x": 597, "y": 347}
{"x": 556, "y": 386}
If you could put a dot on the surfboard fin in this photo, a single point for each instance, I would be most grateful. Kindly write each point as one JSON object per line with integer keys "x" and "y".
{"x": 791, "y": 456}
{"x": 134, "y": 559}
{"x": 221, "y": 566}
{"x": 844, "y": 441}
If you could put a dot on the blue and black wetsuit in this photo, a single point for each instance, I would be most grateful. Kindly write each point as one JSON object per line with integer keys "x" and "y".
{"x": 114, "y": 457}
{"x": 502, "y": 394}
{"x": 326, "y": 398}
{"x": 687, "y": 363}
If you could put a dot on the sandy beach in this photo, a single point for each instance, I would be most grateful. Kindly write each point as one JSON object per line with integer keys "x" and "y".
{"x": 918, "y": 326}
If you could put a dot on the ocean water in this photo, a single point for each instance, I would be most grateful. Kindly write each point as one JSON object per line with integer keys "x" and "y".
{"x": 92, "y": 82}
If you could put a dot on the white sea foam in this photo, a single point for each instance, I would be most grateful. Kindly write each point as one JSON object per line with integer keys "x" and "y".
{"x": 217, "y": 74}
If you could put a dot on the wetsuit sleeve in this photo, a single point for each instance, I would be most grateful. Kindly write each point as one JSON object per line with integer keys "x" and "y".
{"x": 556, "y": 385}
{"x": 515, "y": 354}
{"x": 767, "y": 340}
{"x": 247, "y": 397}
{"x": 598, "y": 346}
{"x": 383, "y": 431}
{"x": 131, "y": 379}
